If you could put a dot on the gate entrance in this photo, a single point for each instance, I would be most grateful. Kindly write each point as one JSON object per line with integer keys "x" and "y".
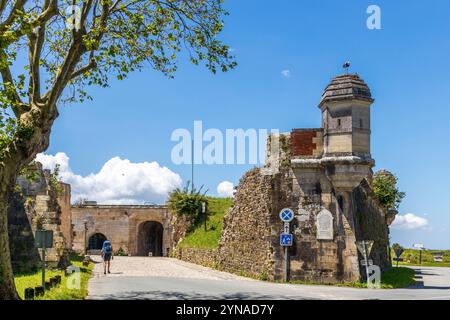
{"x": 150, "y": 239}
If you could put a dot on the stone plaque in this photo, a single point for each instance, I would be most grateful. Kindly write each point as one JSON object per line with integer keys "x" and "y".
{"x": 324, "y": 225}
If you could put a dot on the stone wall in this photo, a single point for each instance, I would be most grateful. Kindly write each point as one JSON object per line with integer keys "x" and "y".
{"x": 24, "y": 255}
{"x": 245, "y": 244}
{"x": 37, "y": 201}
{"x": 204, "y": 257}
{"x": 66, "y": 214}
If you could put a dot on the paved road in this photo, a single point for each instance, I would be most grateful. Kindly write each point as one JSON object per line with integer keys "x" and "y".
{"x": 166, "y": 278}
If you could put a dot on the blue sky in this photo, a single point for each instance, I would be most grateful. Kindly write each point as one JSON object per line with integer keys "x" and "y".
{"x": 406, "y": 65}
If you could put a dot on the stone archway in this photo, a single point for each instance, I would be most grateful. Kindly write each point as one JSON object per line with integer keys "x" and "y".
{"x": 96, "y": 241}
{"x": 150, "y": 239}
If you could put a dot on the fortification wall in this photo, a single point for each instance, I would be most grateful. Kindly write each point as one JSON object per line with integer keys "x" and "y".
{"x": 35, "y": 207}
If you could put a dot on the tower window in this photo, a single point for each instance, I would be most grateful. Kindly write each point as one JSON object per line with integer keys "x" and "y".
{"x": 360, "y": 123}
{"x": 339, "y": 123}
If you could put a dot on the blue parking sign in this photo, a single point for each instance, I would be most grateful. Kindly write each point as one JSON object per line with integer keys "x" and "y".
{"x": 286, "y": 215}
{"x": 286, "y": 239}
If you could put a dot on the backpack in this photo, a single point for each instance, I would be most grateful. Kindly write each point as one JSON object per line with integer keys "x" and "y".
{"x": 107, "y": 248}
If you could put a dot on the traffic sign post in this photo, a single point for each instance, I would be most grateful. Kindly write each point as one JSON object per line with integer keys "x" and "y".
{"x": 365, "y": 247}
{"x": 420, "y": 247}
{"x": 204, "y": 212}
{"x": 286, "y": 215}
{"x": 398, "y": 252}
{"x": 286, "y": 227}
{"x": 286, "y": 238}
{"x": 43, "y": 240}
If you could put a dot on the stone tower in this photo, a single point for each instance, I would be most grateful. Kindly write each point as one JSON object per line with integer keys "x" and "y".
{"x": 345, "y": 107}
{"x": 324, "y": 177}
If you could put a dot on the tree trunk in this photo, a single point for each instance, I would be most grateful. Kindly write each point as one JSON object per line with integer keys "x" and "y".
{"x": 21, "y": 151}
{"x": 7, "y": 286}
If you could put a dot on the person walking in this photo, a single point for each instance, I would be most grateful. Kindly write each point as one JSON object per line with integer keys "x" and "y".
{"x": 107, "y": 255}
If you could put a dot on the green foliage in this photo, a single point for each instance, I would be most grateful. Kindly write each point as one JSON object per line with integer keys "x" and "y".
{"x": 411, "y": 257}
{"x": 60, "y": 292}
{"x": 385, "y": 187}
{"x": 112, "y": 39}
{"x": 187, "y": 202}
{"x": 120, "y": 253}
{"x": 29, "y": 174}
{"x": 197, "y": 237}
{"x": 54, "y": 180}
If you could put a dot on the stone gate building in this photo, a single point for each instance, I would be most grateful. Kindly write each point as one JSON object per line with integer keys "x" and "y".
{"x": 137, "y": 230}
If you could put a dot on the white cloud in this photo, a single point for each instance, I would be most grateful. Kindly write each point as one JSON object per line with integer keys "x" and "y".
{"x": 286, "y": 73}
{"x": 409, "y": 221}
{"x": 225, "y": 189}
{"x": 119, "y": 181}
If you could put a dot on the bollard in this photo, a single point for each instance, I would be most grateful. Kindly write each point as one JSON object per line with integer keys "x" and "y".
{"x": 29, "y": 294}
{"x": 48, "y": 285}
{"x": 53, "y": 282}
{"x": 38, "y": 291}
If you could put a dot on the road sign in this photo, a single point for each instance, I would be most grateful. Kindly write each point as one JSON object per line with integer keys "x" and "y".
{"x": 419, "y": 246}
{"x": 286, "y": 228}
{"x": 367, "y": 263}
{"x": 398, "y": 251}
{"x": 44, "y": 239}
{"x": 287, "y": 215}
{"x": 364, "y": 247}
{"x": 286, "y": 240}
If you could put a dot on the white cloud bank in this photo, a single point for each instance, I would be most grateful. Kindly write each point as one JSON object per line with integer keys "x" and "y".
{"x": 118, "y": 182}
{"x": 225, "y": 189}
{"x": 409, "y": 221}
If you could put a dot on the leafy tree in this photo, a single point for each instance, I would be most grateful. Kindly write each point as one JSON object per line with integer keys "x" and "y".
{"x": 385, "y": 187}
{"x": 187, "y": 202}
{"x": 51, "y": 51}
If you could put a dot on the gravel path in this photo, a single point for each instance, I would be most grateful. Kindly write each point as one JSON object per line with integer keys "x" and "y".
{"x": 159, "y": 267}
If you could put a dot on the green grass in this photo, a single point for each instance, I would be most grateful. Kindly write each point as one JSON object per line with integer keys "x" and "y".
{"x": 398, "y": 278}
{"x": 61, "y": 292}
{"x": 411, "y": 258}
{"x": 197, "y": 237}
{"x": 392, "y": 279}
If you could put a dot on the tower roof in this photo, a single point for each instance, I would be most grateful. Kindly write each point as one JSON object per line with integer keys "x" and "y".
{"x": 346, "y": 87}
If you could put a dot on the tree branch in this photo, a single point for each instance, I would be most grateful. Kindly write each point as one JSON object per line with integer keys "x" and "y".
{"x": 18, "y": 5}
{"x": 36, "y": 43}
{"x": 91, "y": 65}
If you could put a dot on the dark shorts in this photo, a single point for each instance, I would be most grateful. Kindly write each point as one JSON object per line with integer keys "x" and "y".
{"x": 107, "y": 257}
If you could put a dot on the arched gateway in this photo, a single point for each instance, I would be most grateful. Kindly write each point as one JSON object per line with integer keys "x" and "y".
{"x": 134, "y": 230}
{"x": 96, "y": 241}
{"x": 150, "y": 238}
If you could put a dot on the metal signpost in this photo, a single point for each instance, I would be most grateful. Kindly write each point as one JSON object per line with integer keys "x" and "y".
{"x": 420, "y": 247}
{"x": 44, "y": 240}
{"x": 286, "y": 238}
{"x": 365, "y": 247}
{"x": 398, "y": 252}
{"x": 204, "y": 212}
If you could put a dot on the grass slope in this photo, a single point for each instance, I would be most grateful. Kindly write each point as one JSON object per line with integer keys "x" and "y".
{"x": 60, "y": 292}
{"x": 197, "y": 237}
{"x": 411, "y": 257}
